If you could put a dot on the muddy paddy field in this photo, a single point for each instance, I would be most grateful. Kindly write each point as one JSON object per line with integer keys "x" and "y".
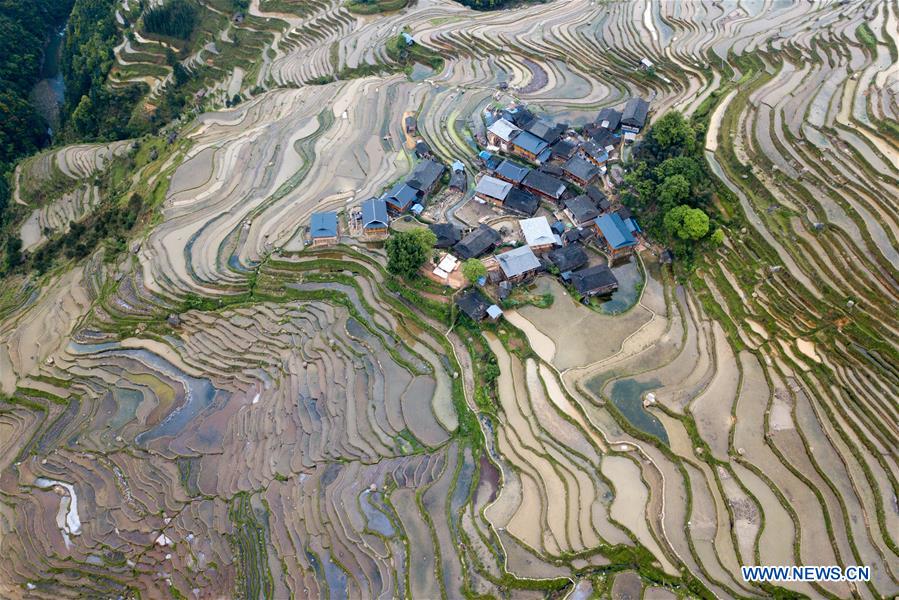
{"x": 222, "y": 412}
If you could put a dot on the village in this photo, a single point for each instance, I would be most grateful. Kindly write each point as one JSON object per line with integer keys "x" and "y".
{"x": 543, "y": 201}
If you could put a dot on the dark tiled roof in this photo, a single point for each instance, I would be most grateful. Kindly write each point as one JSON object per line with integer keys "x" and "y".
{"x": 521, "y": 202}
{"x": 477, "y": 242}
{"x": 474, "y": 304}
{"x": 447, "y": 234}
{"x": 563, "y": 149}
{"x": 546, "y": 184}
{"x": 548, "y": 132}
{"x": 594, "y": 280}
{"x": 635, "y": 111}
{"x": 458, "y": 180}
{"x": 426, "y": 173}
{"x": 582, "y": 209}
{"x": 568, "y": 258}
{"x": 580, "y": 168}
{"x": 608, "y": 118}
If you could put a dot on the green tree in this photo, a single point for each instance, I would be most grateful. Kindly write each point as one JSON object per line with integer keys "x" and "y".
{"x": 473, "y": 269}
{"x": 718, "y": 237}
{"x": 686, "y": 223}
{"x": 406, "y": 253}
{"x": 687, "y": 166}
{"x": 426, "y": 239}
{"x": 673, "y": 131}
{"x": 674, "y": 190}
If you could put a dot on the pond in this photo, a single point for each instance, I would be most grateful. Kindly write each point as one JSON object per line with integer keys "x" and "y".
{"x": 630, "y": 283}
{"x": 48, "y": 94}
{"x": 627, "y": 396}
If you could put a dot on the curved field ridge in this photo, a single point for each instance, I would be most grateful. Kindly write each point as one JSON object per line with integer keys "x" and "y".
{"x": 225, "y": 413}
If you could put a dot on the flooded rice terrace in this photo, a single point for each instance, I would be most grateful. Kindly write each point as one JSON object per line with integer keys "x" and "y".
{"x": 227, "y": 410}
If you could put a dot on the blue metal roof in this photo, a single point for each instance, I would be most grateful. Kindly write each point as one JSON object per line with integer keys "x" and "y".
{"x": 529, "y": 143}
{"x": 511, "y": 171}
{"x": 408, "y": 39}
{"x": 323, "y": 225}
{"x": 374, "y": 213}
{"x": 632, "y": 225}
{"x": 458, "y": 165}
{"x": 401, "y": 196}
{"x": 615, "y": 231}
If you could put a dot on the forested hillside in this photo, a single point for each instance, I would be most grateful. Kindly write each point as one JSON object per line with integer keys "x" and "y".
{"x": 96, "y": 111}
{"x": 24, "y": 27}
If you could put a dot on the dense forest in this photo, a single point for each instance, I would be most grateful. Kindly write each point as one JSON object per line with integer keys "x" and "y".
{"x": 24, "y": 29}
{"x": 175, "y": 19}
{"x": 95, "y": 112}
{"x": 671, "y": 190}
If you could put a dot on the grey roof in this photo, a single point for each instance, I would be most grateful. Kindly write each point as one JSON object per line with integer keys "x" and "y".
{"x": 503, "y": 129}
{"x": 493, "y": 187}
{"x": 568, "y": 257}
{"x": 599, "y": 198}
{"x": 548, "y": 132}
{"x": 323, "y": 225}
{"x": 426, "y": 173}
{"x": 477, "y": 242}
{"x": 635, "y": 111}
{"x": 374, "y": 213}
{"x": 518, "y": 261}
{"x": 604, "y": 138}
{"x": 608, "y": 118}
{"x": 594, "y": 280}
{"x": 474, "y": 304}
{"x": 582, "y": 209}
{"x": 521, "y": 202}
{"x": 563, "y": 149}
{"x": 511, "y": 171}
{"x": 595, "y": 151}
{"x": 580, "y": 168}
{"x": 422, "y": 148}
{"x": 458, "y": 180}
{"x": 546, "y": 184}
{"x": 537, "y": 231}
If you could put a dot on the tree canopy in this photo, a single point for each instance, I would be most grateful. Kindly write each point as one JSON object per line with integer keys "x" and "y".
{"x": 687, "y": 223}
{"x": 407, "y": 251}
{"x": 670, "y": 188}
{"x": 175, "y": 18}
{"x": 673, "y": 131}
{"x": 473, "y": 269}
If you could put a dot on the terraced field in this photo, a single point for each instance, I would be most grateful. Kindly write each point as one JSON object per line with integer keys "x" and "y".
{"x": 223, "y": 412}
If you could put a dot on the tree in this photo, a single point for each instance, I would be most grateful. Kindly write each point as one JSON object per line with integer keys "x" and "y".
{"x": 673, "y": 131}
{"x": 686, "y": 166}
{"x": 426, "y": 239}
{"x": 406, "y": 253}
{"x": 674, "y": 190}
{"x": 686, "y": 223}
{"x": 473, "y": 269}
{"x": 718, "y": 237}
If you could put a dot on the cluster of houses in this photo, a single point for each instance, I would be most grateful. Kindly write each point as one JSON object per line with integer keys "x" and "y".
{"x": 528, "y": 163}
